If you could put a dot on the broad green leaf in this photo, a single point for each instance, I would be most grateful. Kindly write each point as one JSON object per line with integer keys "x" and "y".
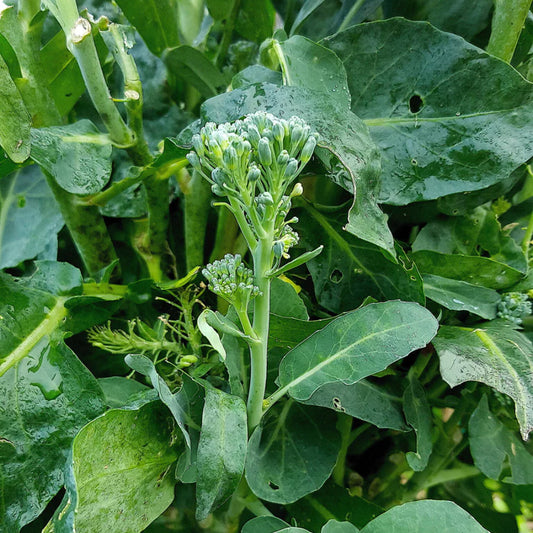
{"x": 193, "y": 67}
{"x": 286, "y": 332}
{"x": 78, "y": 156}
{"x": 310, "y": 65}
{"x": 47, "y": 397}
{"x": 146, "y": 367}
{"x": 425, "y": 516}
{"x": 59, "y": 279}
{"x": 120, "y": 477}
{"x": 307, "y": 9}
{"x": 120, "y": 391}
{"x": 333, "y": 526}
{"x": 494, "y": 354}
{"x": 418, "y": 416}
{"x": 474, "y": 234}
{"x": 16, "y": 121}
{"x": 155, "y": 20}
{"x": 461, "y": 296}
{"x": 350, "y": 269}
{"x": 332, "y": 502}
{"x": 255, "y": 21}
{"x": 292, "y": 453}
{"x": 477, "y": 270}
{"x": 491, "y": 443}
{"x": 364, "y": 400}
{"x": 345, "y": 146}
{"x": 220, "y": 9}
{"x": 356, "y": 345}
{"x": 447, "y": 117}
{"x": 29, "y": 216}
{"x": 285, "y": 301}
{"x": 221, "y": 450}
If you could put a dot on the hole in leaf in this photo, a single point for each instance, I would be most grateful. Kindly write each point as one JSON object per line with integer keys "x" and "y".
{"x": 273, "y": 486}
{"x": 415, "y": 103}
{"x": 338, "y": 405}
{"x": 336, "y": 276}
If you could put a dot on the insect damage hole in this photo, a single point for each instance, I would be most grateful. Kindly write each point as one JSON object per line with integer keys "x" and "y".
{"x": 337, "y": 404}
{"x": 273, "y": 486}
{"x": 415, "y": 103}
{"x": 336, "y": 276}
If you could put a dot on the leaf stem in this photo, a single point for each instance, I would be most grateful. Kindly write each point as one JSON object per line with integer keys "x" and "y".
{"x": 526, "y": 242}
{"x": 344, "y": 425}
{"x": 507, "y": 23}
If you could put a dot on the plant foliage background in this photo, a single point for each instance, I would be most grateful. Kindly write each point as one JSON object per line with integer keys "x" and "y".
{"x": 399, "y": 386}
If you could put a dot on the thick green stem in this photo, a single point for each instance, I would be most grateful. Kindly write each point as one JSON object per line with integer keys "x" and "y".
{"x": 262, "y": 258}
{"x": 526, "y": 243}
{"x": 197, "y": 195}
{"x": 344, "y": 425}
{"x": 87, "y": 228}
{"x": 507, "y": 23}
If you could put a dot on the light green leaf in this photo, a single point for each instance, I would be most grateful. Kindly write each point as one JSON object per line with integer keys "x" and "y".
{"x": 16, "y": 121}
{"x": 332, "y": 526}
{"x": 356, "y": 345}
{"x": 310, "y": 65}
{"x": 425, "y": 516}
{"x": 494, "y": 354}
{"x": 120, "y": 476}
{"x": 29, "y": 216}
{"x": 221, "y": 450}
{"x": 210, "y": 333}
{"x": 193, "y": 67}
{"x": 448, "y": 117}
{"x": 47, "y": 397}
{"x": 155, "y": 20}
{"x": 344, "y": 146}
{"x": 349, "y": 269}
{"x": 461, "y": 296}
{"x": 120, "y": 391}
{"x": 491, "y": 443}
{"x": 264, "y": 524}
{"x": 78, "y": 156}
{"x": 418, "y": 416}
{"x": 285, "y": 301}
{"x": 292, "y": 454}
{"x": 255, "y": 74}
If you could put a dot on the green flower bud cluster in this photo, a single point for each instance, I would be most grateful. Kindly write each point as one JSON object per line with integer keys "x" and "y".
{"x": 514, "y": 307}
{"x": 259, "y": 152}
{"x": 231, "y": 279}
{"x": 286, "y": 240}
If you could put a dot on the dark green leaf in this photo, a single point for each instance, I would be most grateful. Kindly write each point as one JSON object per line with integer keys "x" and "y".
{"x": 310, "y": 65}
{"x": 425, "y": 516}
{"x": 47, "y": 397}
{"x": 193, "y": 67}
{"x": 286, "y": 333}
{"x": 292, "y": 454}
{"x": 16, "y": 121}
{"x": 461, "y": 296}
{"x": 220, "y": 9}
{"x": 349, "y": 269}
{"x": 29, "y": 216}
{"x": 356, "y": 345}
{"x": 418, "y": 416}
{"x": 59, "y": 279}
{"x": 120, "y": 478}
{"x": 155, "y": 20}
{"x": 78, "y": 156}
{"x": 446, "y": 115}
{"x": 343, "y": 137}
{"x": 255, "y": 74}
{"x": 363, "y": 400}
{"x": 255, "y": 21}
{"x": 221, "y": 450}
{"x": 285, "y": 301}
{"x": 491, "y": 443}
{"x": 494, "y": 354}
{"x": 332, "y": 502}
{"x": 476, "y": 270}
